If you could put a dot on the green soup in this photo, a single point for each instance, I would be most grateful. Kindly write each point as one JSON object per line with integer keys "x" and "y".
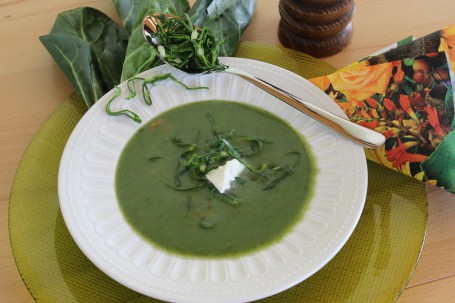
{"x": 197, "y": 221}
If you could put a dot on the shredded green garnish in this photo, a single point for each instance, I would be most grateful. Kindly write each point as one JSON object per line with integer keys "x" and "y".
{"x": 185, "y": 46}
{"x": 153, "y": 158}
{"x": 240, "y": 180}
{"x": 186, "y": 188}
{"x": 124, "y": 112}
{"x": 196, "y": 163}
{"x": 146, "y": 95}
{"x": 284, "y": 172}
{"x": 207, "y": 223}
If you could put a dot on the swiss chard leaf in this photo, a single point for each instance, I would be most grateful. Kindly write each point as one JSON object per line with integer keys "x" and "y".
{"x": 96, "y": 54}
{"x": 226, "y": 19}
{"x": 78, "y": 63}
{"x": 139, "y": 55}
{"x": 104, "y": 44}
{"x": 441, "y": 164}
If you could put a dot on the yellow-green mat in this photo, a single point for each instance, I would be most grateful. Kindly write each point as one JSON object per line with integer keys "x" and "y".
{"x": 374, "y": 265}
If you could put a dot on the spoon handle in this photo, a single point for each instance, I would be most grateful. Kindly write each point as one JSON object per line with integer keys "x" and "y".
{"x": 364, "y": 136}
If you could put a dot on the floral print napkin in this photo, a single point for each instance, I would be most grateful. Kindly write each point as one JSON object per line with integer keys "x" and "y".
{"x": 406, "y": 93}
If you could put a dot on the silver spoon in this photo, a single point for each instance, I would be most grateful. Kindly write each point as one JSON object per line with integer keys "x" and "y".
{"x": 364, "y": 136}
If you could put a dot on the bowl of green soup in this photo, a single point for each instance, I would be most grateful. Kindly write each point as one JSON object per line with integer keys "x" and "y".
{"x": 221, "y": 194}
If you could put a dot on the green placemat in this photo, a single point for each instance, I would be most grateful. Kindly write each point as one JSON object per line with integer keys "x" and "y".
{"x": 373, "y": 266}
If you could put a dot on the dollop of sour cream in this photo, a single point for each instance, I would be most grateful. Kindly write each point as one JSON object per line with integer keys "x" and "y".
{"x": 222, "y": 176}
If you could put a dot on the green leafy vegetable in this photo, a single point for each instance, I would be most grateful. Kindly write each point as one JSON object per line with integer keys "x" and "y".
{"x": 256, "y": 144}
{"x": 152, "y": 81}
{"x": 139, "y": 55}
{"x": 124, "y": 112}
{"x": 107, "y": 40}
{"x": 206, "y": 223}
{"x": 185, "y": 46}
{"x": 96, "y": 54}
{"x": 240, "y": 180}
{"x": 78, "y": 63}
{"x": 186, "y": 188}
{"x": 226, "y": 19}
{"x": 85, "y": 42}
{"x": 154, "y": 158}
{"x": 284, "y": 171}
{"x": 145, "y": 93}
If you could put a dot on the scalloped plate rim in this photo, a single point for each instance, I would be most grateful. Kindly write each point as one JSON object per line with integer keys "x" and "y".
{"x": 266, "y": 71}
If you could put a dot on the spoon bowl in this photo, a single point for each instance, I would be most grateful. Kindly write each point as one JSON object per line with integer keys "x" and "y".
{"x": 150, "y": 28}
{"x": 202, "y": 60}
{"x": 364, "y": 136}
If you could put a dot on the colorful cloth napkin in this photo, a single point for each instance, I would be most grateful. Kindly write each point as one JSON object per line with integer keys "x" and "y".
{"x": 406, "y": 93}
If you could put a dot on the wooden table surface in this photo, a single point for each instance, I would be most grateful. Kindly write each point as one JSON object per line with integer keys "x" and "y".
{"x": 32, "y": 86}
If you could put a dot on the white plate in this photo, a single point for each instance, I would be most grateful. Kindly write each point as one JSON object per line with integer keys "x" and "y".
{"x": 92, "y": 215}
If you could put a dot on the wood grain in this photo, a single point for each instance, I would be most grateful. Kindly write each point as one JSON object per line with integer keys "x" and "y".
{"x": 32, "y": 86}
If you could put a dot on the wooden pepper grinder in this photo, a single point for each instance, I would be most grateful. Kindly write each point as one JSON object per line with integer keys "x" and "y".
{"x": 320, "y": 28}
